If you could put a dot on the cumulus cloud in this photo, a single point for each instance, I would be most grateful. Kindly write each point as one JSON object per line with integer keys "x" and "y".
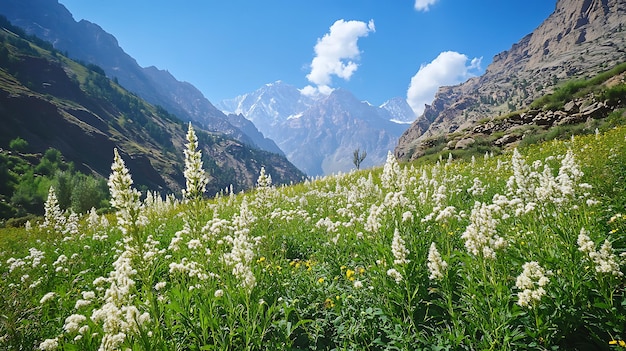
{"x": 449, "y": 68}
{"x": 423, "y": 5}
{"x": 336, "y": 53}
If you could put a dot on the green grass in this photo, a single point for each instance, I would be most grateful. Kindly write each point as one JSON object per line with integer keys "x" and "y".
{"x": 320, "y": 254}
{"x": 577, "y": 88}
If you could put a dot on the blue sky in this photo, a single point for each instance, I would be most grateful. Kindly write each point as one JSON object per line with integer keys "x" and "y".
{"x": 378, "y": 49}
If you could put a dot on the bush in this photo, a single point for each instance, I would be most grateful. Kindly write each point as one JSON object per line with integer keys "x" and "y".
{"x": 18, "y": 144}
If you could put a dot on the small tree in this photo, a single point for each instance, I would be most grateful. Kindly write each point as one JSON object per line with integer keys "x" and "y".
{"x": 357, "y": 157}
{"x": 18, "y": 144}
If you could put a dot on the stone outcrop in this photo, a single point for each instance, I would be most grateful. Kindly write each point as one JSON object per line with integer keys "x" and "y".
{"x": 505, "y": 132}
{"x": 579, "y": 39}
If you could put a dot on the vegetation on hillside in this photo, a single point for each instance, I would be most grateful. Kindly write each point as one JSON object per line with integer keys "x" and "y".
{"x": 523, "y": 251}
{"x": 49, "y": 101}
{"x": 581, "y": 87}
{"x": 608, "y": 87}
{"x": 25, "y": 179}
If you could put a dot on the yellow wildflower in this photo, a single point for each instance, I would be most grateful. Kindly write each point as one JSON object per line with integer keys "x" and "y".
{"x": 350, "y": 274}
{"x": 620, "y": 343}
{"x": 328, "y": 303}
{"x": 320, "y": 280}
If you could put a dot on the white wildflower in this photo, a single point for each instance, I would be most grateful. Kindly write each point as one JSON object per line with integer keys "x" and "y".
{"x": 80, "y": 303}
{"x": 390, "y": 178}
{"x": 72, "y": 323}
{"x": 160, "y": 285}
{"x": 47, "y": 297}
{"x": 605, "y": 261}
{"x": 194, "y": 244}
{"x": 407, "y": 216}
{"x": 436, "y": 265}
{"x": 124, "y": 197}
{"x": 477, "y": 187}
{"x": 399, "y": 250}
{"x": 195, "y": 176}
{"x": 480, "y": 236}
{"x": 531, "y": 284}
{"x": 394, "y": 274}
{"x": 264, "y": 180}
{"x": 49, "y": 344}
{"x": 53, "y": 217}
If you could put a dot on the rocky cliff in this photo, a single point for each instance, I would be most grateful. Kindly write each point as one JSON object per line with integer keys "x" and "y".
{"x": 579, "y": 39}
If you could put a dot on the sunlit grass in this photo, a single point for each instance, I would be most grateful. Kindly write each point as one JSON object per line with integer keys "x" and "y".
{"x": 344, "y": 262}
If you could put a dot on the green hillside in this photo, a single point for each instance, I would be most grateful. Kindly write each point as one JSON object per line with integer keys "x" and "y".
{"x": 521, "y": 251}
{"x": 50, "y": 101}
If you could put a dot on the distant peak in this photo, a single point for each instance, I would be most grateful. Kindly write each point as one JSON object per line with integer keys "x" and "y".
{"x": 278, "y": 82}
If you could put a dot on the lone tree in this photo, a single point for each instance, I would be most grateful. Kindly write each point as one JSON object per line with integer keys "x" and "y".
{"x": 358, "y": 156}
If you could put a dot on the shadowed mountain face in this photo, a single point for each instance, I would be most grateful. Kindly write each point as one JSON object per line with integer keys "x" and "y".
{"x": 54, "y": 102}
{"x": 86, "y": 41}
{"x": 579, "y": 39}
{"x": 319, "y": 134}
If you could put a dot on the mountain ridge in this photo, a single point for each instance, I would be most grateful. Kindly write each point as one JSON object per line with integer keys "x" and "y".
{"x": 580, "y": 38}
{"x": 54, "y": 102}
{"x": 88, "y": 42}
{"x": 319, "y": 134}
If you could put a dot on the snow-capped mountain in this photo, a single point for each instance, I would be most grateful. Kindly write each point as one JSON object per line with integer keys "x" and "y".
{"x": 319, "y": 134}
{"x": 269, "y": 105}
{"x": 400, "y": 110}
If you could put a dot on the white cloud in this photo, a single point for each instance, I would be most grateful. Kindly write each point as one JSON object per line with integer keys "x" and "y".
{"x": 336, "y": 53}
{"x": 423, "y": 5}
{"x": 449, "y": 68}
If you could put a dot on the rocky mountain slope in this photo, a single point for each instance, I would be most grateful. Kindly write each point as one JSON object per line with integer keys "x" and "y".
{"x": 579, "y": 39}
{"x": 52, "y": 101}
{"x": 319, "y": 134}
{"x": 88, "y": 42}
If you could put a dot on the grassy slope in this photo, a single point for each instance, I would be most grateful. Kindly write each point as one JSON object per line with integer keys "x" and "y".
{"x": 52, "y": 101}
{"x": 317, "y": 240}
{"x": 608, "y": 86}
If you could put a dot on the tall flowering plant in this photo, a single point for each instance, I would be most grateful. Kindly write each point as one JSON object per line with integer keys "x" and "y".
{"x": 53, "y": 217}
{"x": 195, "y": 176}
{"x": 124, "y": 197}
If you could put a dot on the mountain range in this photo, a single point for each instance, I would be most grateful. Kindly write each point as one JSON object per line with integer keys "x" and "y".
{"x": 277, "y": 132}
{"x": 88, "y": 42}
{"x": 51, "y": 101}
{"x": 319, "y": 133}
{"x": 578, "y": 40}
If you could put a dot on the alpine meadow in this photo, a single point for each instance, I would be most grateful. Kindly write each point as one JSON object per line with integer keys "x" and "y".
{"x": 520, "y": 251}
{"x": 482, "y": 209}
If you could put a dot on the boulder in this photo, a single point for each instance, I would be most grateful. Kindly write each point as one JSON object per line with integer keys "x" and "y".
{"x": 507, "y": 139}
{"x": 571, "y": 107}
{"x": 464, "y": 143}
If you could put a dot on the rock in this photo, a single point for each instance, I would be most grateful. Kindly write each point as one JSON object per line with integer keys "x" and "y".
{"x": 571, "y": 119}
{"x": 464, "y": 143}
{"x": 451, "y": 144}
{"x": 595, "y": 110}
{"x": 571, "y": 107}
{"x": 507, "y": 139}
{"x": 543, "y": 119}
